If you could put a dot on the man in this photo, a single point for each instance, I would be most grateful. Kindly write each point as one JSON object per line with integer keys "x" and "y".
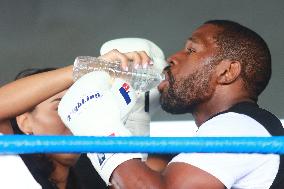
{"x": 217, "y": 77}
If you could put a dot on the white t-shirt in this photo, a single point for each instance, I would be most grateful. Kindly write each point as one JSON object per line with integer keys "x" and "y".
{"x": 14, "y": 174}
{"x": 236, "y": 171}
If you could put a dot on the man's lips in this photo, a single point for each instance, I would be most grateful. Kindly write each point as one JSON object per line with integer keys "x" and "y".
{"x": 164, "y": 83}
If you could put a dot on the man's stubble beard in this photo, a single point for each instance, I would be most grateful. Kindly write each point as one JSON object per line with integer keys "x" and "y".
{"x": 182, "y": 95}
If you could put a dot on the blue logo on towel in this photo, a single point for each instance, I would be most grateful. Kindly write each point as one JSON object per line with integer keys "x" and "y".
{"x": 124, "y": 90}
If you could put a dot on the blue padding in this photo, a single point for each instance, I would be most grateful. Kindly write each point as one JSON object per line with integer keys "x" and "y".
{"x": 20, "y": 144}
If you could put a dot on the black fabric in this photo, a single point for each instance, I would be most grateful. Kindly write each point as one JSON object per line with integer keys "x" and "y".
{"x": 87, "y": 175}
{"x": 82, "y": 176}
{"x": 147, "y": 96}
{"x": 37, "y": 170}
{"x": 271, "y": 123}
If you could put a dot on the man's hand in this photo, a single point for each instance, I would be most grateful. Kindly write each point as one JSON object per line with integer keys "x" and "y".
{"x": 139, "y": 58}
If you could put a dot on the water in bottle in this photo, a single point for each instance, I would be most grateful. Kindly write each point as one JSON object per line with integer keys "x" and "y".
{"x": 141, "y": 79}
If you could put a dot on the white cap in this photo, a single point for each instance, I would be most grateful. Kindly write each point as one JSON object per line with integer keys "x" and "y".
{"x": 125, "y": 45}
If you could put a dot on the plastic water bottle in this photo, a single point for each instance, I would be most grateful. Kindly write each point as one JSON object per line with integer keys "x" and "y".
{"x": 141, "y": 79}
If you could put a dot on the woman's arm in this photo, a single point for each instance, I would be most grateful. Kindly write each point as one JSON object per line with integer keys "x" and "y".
{"x": 21, "y": 95}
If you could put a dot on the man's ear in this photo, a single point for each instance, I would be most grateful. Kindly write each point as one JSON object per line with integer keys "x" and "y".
{"x": 23, "y": 123}
{"x": 228, "y": 71}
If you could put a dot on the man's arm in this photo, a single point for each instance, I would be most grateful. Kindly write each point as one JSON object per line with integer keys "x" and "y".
{"x": 19, "y": 96}
{"x": 177, "y": 175}
{"x": 158, "y": 162}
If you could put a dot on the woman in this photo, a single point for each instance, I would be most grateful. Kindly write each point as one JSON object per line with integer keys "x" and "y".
{"x": 16, "y": 98}
{"x": 50, "y": 170}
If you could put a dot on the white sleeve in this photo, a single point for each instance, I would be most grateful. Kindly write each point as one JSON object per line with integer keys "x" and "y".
{"x": 234, "y": 170}
{"x": 14, "y": 174}
{"x": 228, "y": 168}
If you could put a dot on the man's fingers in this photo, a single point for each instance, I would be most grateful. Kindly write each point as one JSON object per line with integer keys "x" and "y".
{"x": 139, "y": 58}
{"x": 145, "y": 58}
{"x": 135, "y": 58}
{"x": 115, "y": 55}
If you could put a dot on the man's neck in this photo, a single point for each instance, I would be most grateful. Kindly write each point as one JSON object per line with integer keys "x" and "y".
{"x": 205, "y": 111}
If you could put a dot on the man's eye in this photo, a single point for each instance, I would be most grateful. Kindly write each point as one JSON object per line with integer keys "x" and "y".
{"x": 190, "y": 50}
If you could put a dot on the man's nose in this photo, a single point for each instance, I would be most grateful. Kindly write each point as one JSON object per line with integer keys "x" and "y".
{"x": 172, "y": 60}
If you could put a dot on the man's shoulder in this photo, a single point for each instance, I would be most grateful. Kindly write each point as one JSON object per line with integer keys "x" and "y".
{"x": 232, "y": 124}
{"x": 245, "y": 119}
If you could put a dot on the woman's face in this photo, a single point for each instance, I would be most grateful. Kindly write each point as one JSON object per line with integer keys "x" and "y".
{"x": 44, "y": 119}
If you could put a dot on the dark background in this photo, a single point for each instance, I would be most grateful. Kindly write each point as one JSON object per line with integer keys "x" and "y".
{"x": 38, "y": 33}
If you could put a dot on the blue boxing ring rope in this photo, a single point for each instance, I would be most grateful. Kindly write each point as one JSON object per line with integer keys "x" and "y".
{"x": 20, "y": 144}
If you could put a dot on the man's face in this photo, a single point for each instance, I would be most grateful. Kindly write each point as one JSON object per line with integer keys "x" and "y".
{"x": 190, "y": 76}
